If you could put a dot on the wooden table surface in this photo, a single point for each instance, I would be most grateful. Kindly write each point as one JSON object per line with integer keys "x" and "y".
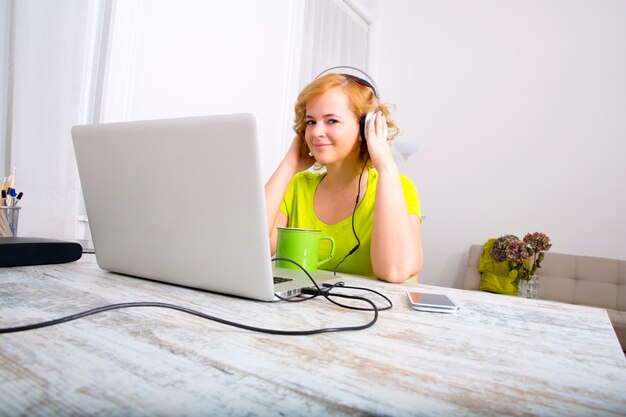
{"x": 498, "y": 356}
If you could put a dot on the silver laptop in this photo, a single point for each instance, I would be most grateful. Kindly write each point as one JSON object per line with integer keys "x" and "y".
{"x": 182, "y": 201}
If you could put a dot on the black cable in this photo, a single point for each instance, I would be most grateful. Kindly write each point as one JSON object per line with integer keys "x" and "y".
{"x": 213, "y": 318}
{"x": 329, "y": 287}
{"x": 327, "y": 293}
{"x": 342, "y": 285}
{"x": 356, "y": 204}
{"x": 184, "y": 310}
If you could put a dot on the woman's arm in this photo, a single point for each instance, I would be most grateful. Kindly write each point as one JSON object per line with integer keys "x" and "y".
{"x": 276, "y": 187}
{"x": 396, "y": 248}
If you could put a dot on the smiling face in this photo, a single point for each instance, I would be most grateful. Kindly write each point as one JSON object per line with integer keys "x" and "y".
{"x": 356, "y": 102}
{"x": 332, "y": 129}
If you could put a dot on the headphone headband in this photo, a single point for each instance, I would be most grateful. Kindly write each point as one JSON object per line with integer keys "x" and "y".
{"x": 367, "y": 81}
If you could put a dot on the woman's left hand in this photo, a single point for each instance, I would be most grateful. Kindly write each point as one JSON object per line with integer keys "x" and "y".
{"x": 377, "y": 144}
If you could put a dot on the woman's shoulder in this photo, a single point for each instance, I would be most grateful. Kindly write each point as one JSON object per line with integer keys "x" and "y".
{"x": 408, "y": 187}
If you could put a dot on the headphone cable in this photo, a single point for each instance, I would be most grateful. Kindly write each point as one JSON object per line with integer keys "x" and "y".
{"x": 356, "y": 204}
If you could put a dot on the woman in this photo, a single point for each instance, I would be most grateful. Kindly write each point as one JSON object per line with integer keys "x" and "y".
{"x": 383, "y": 221}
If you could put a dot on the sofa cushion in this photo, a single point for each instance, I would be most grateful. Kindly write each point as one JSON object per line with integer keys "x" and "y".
{"x": 599, "y": 294}
{"x": 557, "y": 288}
{"x": 557, "y": 277}
{"x": 498, "y": 284}
{"x": 597, "y": 269}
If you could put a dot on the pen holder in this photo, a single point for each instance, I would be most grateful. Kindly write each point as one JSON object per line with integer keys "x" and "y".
{"x": 8, "y": 220}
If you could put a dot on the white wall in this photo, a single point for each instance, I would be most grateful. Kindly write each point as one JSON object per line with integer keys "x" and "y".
{"x": 191, "y": 57}
{"x": 520, "y": 110}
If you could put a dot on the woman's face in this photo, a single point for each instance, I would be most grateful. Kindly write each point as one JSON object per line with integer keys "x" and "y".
{"x": 332, "y": 130}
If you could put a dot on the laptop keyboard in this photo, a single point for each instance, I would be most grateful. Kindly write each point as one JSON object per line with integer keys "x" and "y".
{"x": 278, "y": 280}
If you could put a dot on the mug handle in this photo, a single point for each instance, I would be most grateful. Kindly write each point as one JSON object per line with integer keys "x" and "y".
{"x": 332, "y": 250}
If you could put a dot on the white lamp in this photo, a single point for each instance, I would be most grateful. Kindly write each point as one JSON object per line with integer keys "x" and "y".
{"x": 405, "y": 149}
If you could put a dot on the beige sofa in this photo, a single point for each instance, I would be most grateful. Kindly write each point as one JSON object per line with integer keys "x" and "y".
{"x": 598, "y": 282}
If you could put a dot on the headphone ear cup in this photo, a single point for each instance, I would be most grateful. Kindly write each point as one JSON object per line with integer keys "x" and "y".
{"x": 364, "y": 122}
{"x": 362, "y": 128}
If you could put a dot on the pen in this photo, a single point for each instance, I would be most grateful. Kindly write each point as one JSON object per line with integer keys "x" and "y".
{"x": 12, "y": 178}
{"x": 12, "y": 195}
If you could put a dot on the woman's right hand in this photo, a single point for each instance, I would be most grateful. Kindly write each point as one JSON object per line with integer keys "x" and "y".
{"x": 297, "y": 158}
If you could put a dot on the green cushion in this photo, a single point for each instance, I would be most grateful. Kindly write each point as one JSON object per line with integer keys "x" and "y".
{"x": 496, "y": 276}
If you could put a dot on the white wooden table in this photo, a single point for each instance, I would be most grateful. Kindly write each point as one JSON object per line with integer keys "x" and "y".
{"x": 498, "y": 356}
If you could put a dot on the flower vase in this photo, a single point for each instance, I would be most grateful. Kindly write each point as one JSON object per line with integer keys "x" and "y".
{"x": 529, "y": 288}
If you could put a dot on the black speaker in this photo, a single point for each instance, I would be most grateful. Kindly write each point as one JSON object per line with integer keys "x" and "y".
{"x": 24, "y": 251}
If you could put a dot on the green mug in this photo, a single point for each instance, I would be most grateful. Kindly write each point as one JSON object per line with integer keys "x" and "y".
{"x": 301, "y": 246}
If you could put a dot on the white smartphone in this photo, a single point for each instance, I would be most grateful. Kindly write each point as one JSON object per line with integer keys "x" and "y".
{"x": 438, "y": 303}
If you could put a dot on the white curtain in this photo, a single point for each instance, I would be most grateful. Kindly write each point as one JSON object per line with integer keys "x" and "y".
{"x": 333, "y": 34}
{"x": 48, "y": 84}
{"x": 5, "y": 46}
{"x": 326, "y": 33}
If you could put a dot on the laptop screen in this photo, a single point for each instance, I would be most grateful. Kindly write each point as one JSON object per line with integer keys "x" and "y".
{"x": 179, "y": 201}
